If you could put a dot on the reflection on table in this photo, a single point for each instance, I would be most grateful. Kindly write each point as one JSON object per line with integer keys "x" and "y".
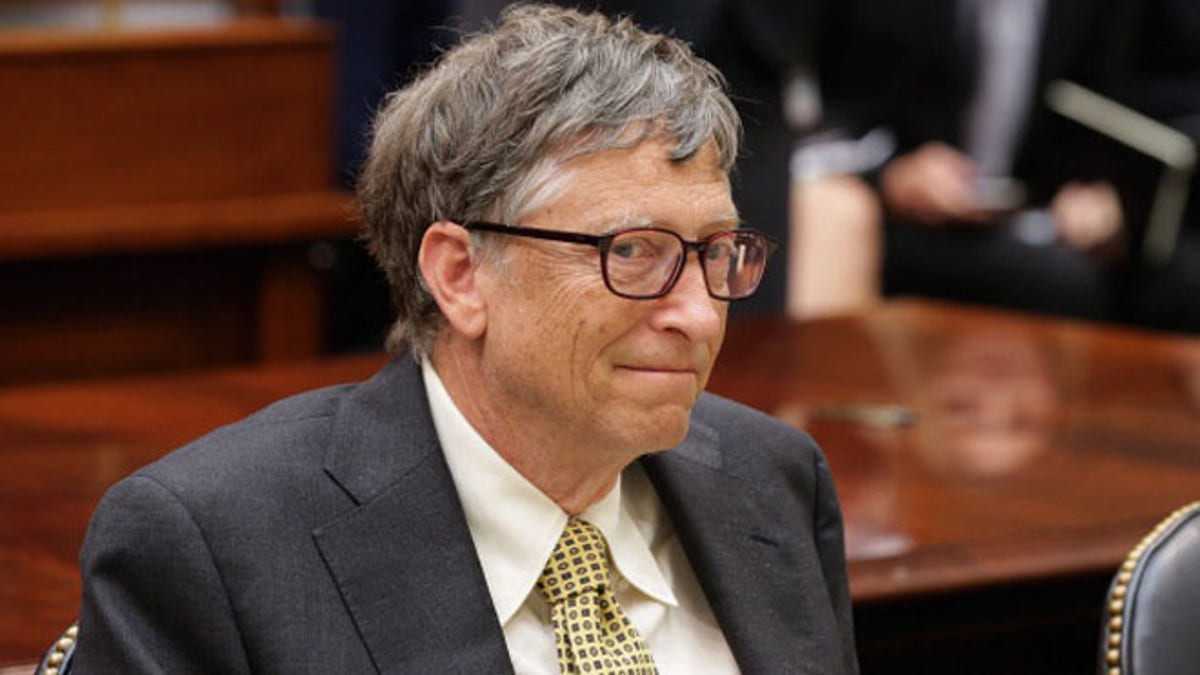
{"x": 981, "y": 433}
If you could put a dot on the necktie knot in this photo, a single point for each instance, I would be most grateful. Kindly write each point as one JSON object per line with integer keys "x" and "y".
{"x": 592, "y": 633}
{"x": 578, "y": 564}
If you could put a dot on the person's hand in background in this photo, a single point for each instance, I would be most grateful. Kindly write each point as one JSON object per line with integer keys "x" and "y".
{"x": 934, "y": 185}
{"x": 1088, "y": 216}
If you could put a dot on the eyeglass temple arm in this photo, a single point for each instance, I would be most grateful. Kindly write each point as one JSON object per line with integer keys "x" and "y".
{"x": 534, "y": 232}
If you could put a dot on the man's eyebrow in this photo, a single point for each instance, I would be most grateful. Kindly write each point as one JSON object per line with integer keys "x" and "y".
{"x": 729, "y": 221}
{"x": 634, "y": 221}
{"x": 627, "y": 222}
{"x": 733, "y": 218}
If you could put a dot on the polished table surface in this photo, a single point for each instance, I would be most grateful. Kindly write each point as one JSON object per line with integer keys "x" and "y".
{"x": 972, "y": 449}
{"x": 1017, "y": 447}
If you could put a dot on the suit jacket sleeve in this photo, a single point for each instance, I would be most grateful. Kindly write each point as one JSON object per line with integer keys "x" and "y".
{"x": 831, "y": 549}
{"x": 153, "y": 600}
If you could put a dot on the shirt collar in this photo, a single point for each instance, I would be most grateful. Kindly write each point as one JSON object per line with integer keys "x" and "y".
{"x": 515, "y": 526}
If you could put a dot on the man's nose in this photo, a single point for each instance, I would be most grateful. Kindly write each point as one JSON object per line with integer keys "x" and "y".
{"x": 690, "y": 308}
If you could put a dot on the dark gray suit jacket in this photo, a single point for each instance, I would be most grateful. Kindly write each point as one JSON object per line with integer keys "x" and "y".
{"x": 324, "y": 535}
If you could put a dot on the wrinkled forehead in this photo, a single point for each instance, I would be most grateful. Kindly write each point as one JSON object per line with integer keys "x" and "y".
{"x": 559, "y": 169}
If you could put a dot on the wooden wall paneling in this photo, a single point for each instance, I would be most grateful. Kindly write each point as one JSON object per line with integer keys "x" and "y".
{"x": 136, "y": 229}
{"x": 109, "y": 315}
{"x": 292, "y": 306}
{"x": 107, "y": 118}
{"x": 158, "y": 193}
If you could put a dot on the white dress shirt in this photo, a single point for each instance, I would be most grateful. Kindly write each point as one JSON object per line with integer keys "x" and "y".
{"x": 515, "y": 527}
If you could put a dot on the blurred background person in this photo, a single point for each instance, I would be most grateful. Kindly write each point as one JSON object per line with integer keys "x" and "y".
{"x": 956, "y": 87}
{"x": 988, "y": 196}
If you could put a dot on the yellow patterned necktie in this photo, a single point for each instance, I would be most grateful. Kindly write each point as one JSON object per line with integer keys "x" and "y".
{"x": 593, "y": 634}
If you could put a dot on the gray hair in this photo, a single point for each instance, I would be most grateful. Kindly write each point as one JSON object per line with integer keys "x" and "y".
{"x": 481, "y": 134}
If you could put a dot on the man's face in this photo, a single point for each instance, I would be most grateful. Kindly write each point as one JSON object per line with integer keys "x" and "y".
{"x": 596, "y": 372}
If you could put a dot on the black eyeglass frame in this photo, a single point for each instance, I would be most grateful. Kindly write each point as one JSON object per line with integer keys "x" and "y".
{"x": 603, "y": 242}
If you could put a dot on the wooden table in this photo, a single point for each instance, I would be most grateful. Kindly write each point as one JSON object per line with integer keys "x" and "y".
{"x": 993, "y": 468}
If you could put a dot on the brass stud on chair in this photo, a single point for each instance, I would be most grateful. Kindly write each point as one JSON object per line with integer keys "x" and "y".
{"x": 58, "y": 651}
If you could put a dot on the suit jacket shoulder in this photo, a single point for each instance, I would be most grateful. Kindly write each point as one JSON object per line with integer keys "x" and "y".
{"x": 308, "y": 538}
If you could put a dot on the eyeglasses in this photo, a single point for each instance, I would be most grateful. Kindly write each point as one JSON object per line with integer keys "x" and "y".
{"x": 643, "y": 263}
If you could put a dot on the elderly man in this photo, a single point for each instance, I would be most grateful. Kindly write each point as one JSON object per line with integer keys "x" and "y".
{"x": 536, "y": 483}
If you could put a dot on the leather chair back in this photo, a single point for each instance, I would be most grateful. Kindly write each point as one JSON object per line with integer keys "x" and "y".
{"x": 1152, "y": 618}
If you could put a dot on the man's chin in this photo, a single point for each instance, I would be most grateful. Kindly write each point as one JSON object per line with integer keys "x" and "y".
{"x": 660, "y": 429}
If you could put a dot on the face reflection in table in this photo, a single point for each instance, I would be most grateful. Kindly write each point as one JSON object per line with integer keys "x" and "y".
{"x": 971, "y": 446}
{"x": 993, "y": 402}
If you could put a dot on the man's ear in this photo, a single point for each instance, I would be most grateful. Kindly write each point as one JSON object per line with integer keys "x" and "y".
{"x": 449, "y": 272}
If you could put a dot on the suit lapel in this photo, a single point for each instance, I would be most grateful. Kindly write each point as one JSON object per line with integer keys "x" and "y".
{"x": 403, "y": 558}
{"x": 745, "y": 559}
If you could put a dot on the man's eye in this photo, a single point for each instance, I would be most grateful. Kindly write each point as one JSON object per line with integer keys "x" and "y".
{"x": 634, "y": 247}
{"x": 720, "y": 249}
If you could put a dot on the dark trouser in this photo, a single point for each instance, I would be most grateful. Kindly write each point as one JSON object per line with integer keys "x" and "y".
{"x": 986, "y": 265}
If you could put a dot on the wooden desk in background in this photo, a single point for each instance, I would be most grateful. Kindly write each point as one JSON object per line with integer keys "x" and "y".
{"x": 983, "y": 532}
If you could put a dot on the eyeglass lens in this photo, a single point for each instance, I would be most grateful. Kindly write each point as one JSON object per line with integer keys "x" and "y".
{"x": 646, "y": 263}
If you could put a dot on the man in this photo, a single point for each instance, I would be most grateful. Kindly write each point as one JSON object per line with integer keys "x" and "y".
{"x": 990, "y": 196}
{"x": 534, "y": 200}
